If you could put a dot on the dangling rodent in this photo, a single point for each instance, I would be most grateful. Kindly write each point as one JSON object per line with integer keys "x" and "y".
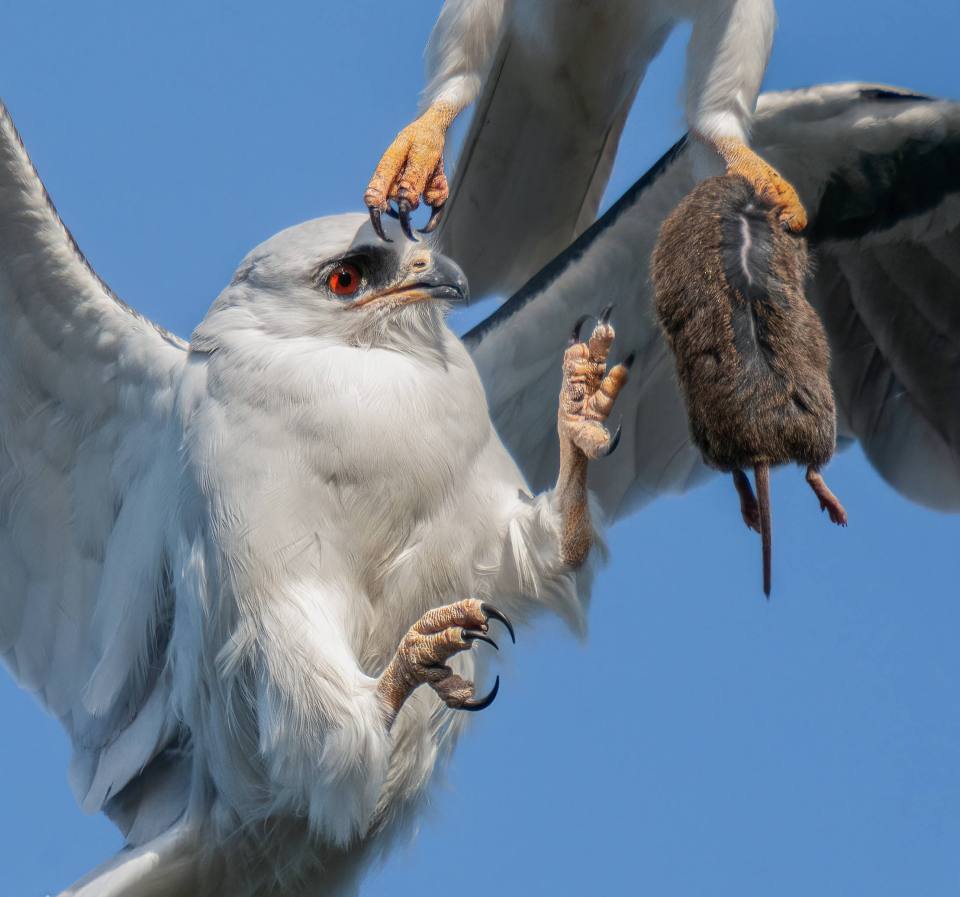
{"x": 752, "y": 356}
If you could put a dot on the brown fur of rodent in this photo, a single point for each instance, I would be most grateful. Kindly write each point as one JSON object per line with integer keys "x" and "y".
{"x": 752, "y": 356}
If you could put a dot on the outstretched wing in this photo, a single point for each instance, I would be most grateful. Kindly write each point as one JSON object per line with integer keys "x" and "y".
{"x": 879, "y": 171}
{"x": 86, "y": 485}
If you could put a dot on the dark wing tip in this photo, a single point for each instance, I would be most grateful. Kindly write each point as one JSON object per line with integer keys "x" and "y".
{"x": 880, "y": 93}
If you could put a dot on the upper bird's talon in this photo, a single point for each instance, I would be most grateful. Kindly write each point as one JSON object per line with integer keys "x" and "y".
{"x": 485, "y": 702}
{"x": 377, "y": 223}
{"x": 403, "y": 210}
{"x": 575, "y": 335}
{"x": 470, "y": 635}
{"x": 629, "y": 360}
{"x": 790, "y": 223}
{"x": 435, "y": 215}
{"x": 605, "y": 314}
{"x": 494, "y": 614}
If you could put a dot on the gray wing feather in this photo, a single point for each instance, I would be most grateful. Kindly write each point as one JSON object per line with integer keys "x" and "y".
{"x": 517, "y": 350}
{"x": 878, "y": 169}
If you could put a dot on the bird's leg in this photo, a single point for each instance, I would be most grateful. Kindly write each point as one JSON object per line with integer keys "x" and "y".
{"x": 765, "y": 179}
{"x": 412, "y": 167}
{"x": 586, "y": 399}
{"x": 828, "y": 501}
{"x": 749, "y": 509}
{"x": 429, "y": 643}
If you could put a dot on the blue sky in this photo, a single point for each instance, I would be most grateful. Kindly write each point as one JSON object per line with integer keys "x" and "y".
{"x": 702, "y": 741}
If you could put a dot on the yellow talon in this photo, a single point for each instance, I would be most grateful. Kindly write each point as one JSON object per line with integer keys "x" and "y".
{"x": 765, "y": 179}
{"x": 412, "y": 166}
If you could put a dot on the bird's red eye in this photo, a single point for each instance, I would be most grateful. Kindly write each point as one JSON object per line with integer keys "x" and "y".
{"x": 344, "y": 280}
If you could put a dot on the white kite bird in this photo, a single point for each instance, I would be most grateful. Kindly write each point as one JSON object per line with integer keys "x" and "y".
{"x": 211, "y": 552}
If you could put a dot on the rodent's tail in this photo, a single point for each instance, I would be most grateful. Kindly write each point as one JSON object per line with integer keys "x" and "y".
{"x": 761, "y": 473}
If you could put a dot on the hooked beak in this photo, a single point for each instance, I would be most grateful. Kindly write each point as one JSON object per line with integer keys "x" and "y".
{"x": 440, "y": 279}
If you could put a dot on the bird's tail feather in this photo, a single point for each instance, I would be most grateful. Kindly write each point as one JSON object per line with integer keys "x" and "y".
{"x": 167, "y": 866}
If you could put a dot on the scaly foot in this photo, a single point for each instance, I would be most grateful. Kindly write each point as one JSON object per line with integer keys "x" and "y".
{"x": 588, "y": 392}
{"x": 749, "y": 509}
{"x": 586, "y": 400}
{"x": 765, "y": 179}
{"x": 828, "y": 501}
{"x": 412, "y": 167}
{"x": 424, "y": 650}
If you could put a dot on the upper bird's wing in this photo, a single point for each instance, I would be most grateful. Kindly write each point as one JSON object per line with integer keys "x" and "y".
{"x": 510, "y": 209}
{"x": 879, "y": 171}
{"x": 87, "y": 491}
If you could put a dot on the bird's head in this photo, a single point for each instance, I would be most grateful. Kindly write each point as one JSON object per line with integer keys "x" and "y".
{"x": 335, "y": 280}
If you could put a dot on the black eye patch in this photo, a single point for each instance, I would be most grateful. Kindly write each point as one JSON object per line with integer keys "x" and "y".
{"x": 378, "y": 268}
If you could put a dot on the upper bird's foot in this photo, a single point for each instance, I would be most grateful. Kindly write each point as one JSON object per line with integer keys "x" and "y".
{"x": 428, "y": 644}
{"x": 766, "y": 181}
{"x": 749, "y": 509}
{"x": 828, "y": 501}
{"x": 412, "y": 167}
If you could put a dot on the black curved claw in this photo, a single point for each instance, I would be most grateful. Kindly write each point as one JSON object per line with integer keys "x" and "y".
{"x": 629, "y": 360}
{"x": 403, "y": 210}
{"x": 605, "y": 314}
{"x": 483, "y": 703}
{"x": 378, "y": 225}
{"x": 612, "y": 447}
{"x": 575, "y": 335}
{"x": 436, "y": 213}
{"x": 469, "y": 635}
{"x": 494, "y": 614}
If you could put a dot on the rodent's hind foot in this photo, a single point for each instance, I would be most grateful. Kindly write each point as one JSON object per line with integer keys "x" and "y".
{"x": 828, "y": 501}
{"x": 749, "y": 509}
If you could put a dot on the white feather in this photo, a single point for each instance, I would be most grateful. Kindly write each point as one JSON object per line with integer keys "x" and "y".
{"x": 460, "y": 48}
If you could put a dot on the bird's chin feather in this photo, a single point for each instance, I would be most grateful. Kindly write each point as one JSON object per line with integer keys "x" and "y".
{"x": 415, "y": 328}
